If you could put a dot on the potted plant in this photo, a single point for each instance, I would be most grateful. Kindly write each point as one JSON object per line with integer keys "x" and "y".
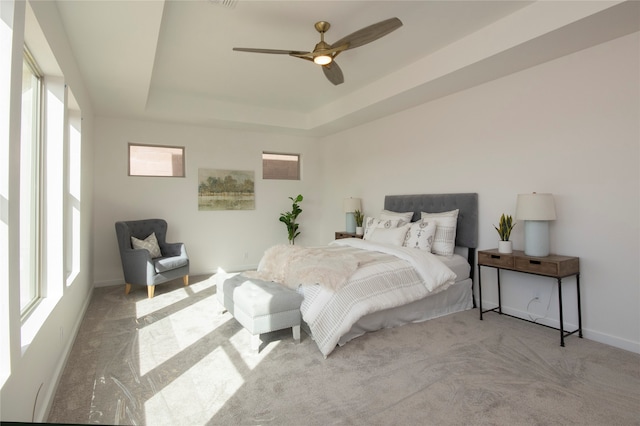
{"x": 504, "y": 228}
{"x": 359, "y": 219}
{"x": 289, "y": 219}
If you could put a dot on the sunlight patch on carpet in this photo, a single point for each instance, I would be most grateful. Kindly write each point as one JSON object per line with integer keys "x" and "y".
{"x": 195, "y": 389}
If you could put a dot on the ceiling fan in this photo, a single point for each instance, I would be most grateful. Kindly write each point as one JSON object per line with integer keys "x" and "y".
{"x": 324, "y": 54}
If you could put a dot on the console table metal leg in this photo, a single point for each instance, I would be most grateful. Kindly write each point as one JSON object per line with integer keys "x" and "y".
{"x": 499, "y": 292}
{"x": 561, "y": 315}
{"x": 480, "y": 290}
{"x": 579, "y": 309}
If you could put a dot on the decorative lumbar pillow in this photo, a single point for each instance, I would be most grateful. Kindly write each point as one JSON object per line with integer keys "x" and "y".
{"x": 150, "y": 243}
{"x": 388, "y": 214}
{"x": 371, "y": 223}
{"x": 445, "y": 238}
{"x": 420, "y": 235}
{"x": 393, "y": 236}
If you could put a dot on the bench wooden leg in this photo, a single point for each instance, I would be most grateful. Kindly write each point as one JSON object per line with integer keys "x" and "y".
{"x": 150, "y": 290}
{"x": 186, "y": 280}
{"x": 296, "y": 333}
{"x": 127, "y": 288}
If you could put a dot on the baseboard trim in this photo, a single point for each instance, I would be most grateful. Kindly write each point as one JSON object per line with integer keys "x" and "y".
{"x": 62, "y": 363}
{"x": 596, "y": 336}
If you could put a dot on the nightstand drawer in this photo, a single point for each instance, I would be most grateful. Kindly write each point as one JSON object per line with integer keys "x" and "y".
{"x": 494, "y": 259}
{"x": 537, "y": 266}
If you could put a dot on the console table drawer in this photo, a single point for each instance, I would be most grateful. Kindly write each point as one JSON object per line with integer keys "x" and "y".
{"x": 492, "y": 259}
{"x": 537, "y": 266}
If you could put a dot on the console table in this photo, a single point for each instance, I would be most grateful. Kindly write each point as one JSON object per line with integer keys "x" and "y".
{"x": 340, "y": 235}
{"x": 552, "y": 266}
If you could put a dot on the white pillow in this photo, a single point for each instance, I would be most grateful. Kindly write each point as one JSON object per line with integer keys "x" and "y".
{"x": 371, "y": 223}
{"x": 393, "y": 236}
{"x": 388, "y": 214}
{"x": 420, "y": 235}
{"x": 445, "y": 239}
{"x": 150, "y": 243}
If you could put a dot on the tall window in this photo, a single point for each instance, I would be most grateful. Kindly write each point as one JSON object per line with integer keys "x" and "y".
{"x": 30, "y": 183}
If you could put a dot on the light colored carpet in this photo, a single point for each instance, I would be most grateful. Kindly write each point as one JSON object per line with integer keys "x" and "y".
{"x": 176, "y": 360}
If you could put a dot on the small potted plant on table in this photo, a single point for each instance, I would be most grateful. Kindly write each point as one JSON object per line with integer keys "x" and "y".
{"x": 504, "y": 228}
{"x": 359, "y": 217}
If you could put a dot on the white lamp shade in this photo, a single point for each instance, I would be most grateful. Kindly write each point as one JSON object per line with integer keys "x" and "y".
{"x": 535, "y": 207}
{"x": 351, "y": 205}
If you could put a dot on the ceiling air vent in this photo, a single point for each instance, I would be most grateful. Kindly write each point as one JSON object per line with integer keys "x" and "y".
{"x": 230, "y": 4}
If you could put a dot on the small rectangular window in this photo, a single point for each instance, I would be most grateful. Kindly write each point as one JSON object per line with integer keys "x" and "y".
{"x": 156, "y": 160}
{"x": 280, "y": 166}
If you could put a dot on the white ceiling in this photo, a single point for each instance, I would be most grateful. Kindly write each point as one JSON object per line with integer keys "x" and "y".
{"x": 173, "y": 60}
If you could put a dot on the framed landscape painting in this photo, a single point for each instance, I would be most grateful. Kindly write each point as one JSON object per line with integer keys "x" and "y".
{"x": 226, "y": 189}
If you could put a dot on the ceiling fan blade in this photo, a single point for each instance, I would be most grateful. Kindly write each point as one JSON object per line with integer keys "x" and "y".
{"x": 369, "y": 34}
{"x": 273, "y": 51}
{"x": 333, "y": 73}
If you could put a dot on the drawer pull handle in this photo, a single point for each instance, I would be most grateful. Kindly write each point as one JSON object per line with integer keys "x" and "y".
{"x": 535, "y": 262}
{"x": 495, "y": 256}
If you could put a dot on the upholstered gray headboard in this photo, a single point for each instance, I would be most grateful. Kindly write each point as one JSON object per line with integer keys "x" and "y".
{"x": 467, "y": 229}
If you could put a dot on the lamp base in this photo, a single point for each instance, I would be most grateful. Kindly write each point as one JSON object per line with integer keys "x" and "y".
{"x": 536, "y": 238}
{"x": 351, "y": 223}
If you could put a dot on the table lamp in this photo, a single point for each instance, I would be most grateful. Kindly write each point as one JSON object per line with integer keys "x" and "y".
{"x": 536, "y": 210}
{"x": 350, "y": 206}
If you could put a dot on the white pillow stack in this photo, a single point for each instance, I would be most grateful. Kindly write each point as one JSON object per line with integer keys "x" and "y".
{"x": 434, "y": 232}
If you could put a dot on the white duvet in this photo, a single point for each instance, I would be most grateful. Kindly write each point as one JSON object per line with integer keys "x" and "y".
{"x": 387, "y": 277}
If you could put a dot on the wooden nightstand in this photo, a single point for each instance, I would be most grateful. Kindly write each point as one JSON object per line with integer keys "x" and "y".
{"x": 552, "y": 266}
{"x": 340, "y": 235}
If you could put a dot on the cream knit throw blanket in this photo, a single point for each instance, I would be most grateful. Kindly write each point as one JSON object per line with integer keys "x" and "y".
{"x": 292, "y": 266}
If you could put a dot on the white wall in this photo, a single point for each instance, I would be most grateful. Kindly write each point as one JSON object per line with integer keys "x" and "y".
{"x": 569, "y": 127}
{"x": 212, "y": 238}
{"x": 35, "y": 368}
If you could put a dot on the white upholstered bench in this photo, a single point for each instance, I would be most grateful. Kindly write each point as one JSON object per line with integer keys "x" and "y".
{"x": 260, "y": 306}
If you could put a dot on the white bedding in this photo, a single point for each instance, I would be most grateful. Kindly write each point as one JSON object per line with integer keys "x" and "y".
{"x": 393, "y": 276}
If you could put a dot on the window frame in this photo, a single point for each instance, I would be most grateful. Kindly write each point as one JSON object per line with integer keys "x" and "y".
{"x": 298, "y": 162}
{"x": 36, "y": 194}
{"x": 181, "y": 148}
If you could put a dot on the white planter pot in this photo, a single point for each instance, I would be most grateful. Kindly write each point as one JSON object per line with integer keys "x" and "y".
{"x": 505, "y": 247}
{"x": 359, "y": 230}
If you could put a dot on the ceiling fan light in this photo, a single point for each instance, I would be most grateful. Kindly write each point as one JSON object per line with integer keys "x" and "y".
{"x": 322, "y": 59}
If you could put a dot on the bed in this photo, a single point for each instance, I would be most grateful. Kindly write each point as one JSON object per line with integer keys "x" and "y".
{"x": 457, "y": 297}
{"x": 355, "y": 286}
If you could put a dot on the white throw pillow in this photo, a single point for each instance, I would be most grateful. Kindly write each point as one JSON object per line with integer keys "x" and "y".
{"x": 420, "y": 235}
{"x": 388, "y": 214}
{"x": 392, "y": 236}
{"x": 150, "y": 243}
{"x": 445, "y": 238}
{"x": 372, "y": 223}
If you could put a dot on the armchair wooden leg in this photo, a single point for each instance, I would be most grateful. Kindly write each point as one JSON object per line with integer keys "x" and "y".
{"x": 186, "y": 280}
{"x": 151, "y": 289}
{"x": 127, "y": 288}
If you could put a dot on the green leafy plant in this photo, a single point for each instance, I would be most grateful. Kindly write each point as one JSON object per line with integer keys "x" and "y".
{"x": 289, "y": 219}
{"x": 504, "y": 227}
{"x": 359, "y": 217}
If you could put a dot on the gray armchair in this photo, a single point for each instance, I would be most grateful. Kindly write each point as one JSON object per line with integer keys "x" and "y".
{"x": 137, "y": 264}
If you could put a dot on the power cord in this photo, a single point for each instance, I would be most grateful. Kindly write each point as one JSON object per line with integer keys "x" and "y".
{"x": 537, "y": 299}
